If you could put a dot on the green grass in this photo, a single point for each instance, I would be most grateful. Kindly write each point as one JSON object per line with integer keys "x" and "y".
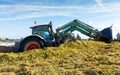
{"x": 74, "y": 58}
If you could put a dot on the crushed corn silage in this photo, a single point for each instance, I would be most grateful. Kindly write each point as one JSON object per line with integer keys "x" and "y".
{"x": 74, "y": 58}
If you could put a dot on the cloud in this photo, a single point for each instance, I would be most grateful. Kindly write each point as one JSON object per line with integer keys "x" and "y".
{"x": 99, "y": 2}
{"x": 15, "y": 12}
{"x": 29, "y": 11}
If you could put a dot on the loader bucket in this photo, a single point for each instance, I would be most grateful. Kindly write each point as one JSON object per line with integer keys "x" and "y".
{"x": 105, "y": 35}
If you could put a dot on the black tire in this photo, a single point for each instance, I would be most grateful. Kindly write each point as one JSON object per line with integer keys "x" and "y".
{"x": 35, "y": 42}
{"x": 67, "y": 40}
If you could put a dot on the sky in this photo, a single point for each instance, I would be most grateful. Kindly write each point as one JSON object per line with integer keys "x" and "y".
{"x": 17, "y": 16}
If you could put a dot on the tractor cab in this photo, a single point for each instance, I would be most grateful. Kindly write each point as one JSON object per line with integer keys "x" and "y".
{"x": 44, "y": 31}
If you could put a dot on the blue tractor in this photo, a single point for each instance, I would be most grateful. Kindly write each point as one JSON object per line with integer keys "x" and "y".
{"x": 43, "y": 35}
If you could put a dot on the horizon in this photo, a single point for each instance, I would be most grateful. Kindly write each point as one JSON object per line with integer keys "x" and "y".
{"x": 17, "y": 16}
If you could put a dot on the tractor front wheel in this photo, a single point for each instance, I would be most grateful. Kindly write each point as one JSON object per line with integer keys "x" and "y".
{"x": 69, "y": 40}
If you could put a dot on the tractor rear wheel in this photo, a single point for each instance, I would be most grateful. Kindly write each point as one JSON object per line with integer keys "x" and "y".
{"x": 30, "y": 44}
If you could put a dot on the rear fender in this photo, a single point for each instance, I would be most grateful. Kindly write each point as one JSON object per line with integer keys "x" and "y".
{"x": 35, "y": 36}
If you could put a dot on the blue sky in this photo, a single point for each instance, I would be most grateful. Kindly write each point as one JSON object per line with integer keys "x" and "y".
{"x": 16, "y": 16}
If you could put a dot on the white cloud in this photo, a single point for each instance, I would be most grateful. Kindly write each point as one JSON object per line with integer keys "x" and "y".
{"x": 29, "y": 11}
{"x": 99, "y": 2}
{"x": 97, "y": 15}
{"x": 12, "y": 12}
{"x": 16, "y": 12}
{"x": 90, "y": 22}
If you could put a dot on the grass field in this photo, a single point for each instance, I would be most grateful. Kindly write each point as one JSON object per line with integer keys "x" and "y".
{"x": 74, "y": 58}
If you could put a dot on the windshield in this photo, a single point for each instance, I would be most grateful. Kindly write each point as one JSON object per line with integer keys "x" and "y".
{"x": 43, "y": 31}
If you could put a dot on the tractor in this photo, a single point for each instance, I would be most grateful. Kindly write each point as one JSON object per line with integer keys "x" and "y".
{"x": 43, "y": 35}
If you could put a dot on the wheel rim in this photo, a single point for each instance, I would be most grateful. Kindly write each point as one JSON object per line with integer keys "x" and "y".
{"x": 32, "y": 46}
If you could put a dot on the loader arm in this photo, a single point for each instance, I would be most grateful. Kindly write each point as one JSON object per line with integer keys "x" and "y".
{"x": 79, "y": 26}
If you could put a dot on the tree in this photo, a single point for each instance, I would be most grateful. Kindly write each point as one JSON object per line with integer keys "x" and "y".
{"x": 118, "y": 36}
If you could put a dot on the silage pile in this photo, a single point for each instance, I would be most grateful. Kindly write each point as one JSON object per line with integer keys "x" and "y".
{"x": 74, "y": 58}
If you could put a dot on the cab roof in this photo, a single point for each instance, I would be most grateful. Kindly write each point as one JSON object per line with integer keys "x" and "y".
{"x": 40, "y": 26}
